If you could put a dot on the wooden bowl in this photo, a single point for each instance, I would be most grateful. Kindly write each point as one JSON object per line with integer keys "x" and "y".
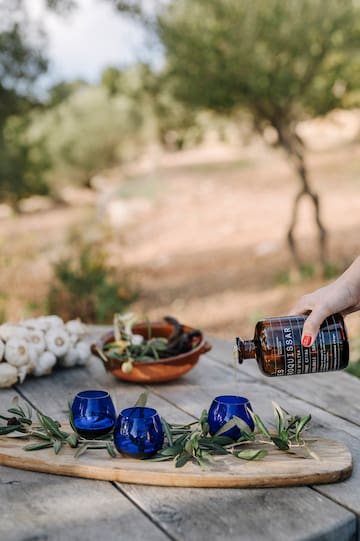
{"x": 155, "y": 371}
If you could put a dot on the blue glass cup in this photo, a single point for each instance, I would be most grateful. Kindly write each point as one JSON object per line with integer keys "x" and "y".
{"x": 93, "y": 414}
{"x": 224, "y": 408}
{"x": 138, "y": 432}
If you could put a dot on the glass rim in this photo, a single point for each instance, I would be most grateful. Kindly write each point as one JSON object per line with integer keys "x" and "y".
{"x": 231, "y": 399}
{"x": 149, "y": 412}
{"x": 92, "y": 394}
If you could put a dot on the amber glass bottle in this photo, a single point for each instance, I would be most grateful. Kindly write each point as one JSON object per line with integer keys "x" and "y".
{"x": 278, "y": 350}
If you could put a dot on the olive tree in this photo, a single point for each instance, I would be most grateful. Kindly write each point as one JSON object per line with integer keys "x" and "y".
{"x": 281, "y": 60}
{"x": 22, "y": 61}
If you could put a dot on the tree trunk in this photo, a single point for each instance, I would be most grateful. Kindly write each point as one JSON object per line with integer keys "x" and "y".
{"x": 294, "y": 148}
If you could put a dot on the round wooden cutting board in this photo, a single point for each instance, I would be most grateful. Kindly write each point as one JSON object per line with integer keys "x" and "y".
{"x": 331, "y": 462}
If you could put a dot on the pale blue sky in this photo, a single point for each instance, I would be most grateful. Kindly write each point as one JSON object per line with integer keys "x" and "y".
{"x": 93, "y": 37}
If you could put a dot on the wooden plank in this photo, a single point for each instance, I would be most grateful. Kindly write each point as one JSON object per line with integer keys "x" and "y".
{"x": 291, "y": 514}
{"x": 333, "y": 464}
{"x": 38, "y": 506}
{"x": 193, "y": 520}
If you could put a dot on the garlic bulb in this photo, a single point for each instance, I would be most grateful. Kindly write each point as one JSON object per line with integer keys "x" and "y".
{"x": 8, "y": 375}
{"x": 83, "y": 352}
{"x": 45, "y": 364}
{"x": 75, "y": 327}
{"x": 16, "y": 351}
{"x": 37, "y": 340}
{"x": 70, "y": 358}
{"x": 8, "y": 330}
{"x": 57, "y": 341}
{"x": 53, "y": 321}
{"x": 34, "y": 345}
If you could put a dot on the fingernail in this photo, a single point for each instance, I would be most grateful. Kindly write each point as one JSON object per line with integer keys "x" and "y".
{"x": 306, "y": 341}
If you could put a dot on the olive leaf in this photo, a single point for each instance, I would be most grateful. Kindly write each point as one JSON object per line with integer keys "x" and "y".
{"x": 259, "y": 424}
{"x": 110, "y": 449}
{"x": 301, "y": 426}
{"x": 280, "y": 416}
{"x": 38, "y": 446}
{"x": 142, "y": 400}
{"x": 250, "y": 454}
{"x": 57, "y": 446}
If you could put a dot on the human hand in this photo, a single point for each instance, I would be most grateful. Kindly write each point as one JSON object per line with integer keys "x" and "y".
{"x": 342, "y": 295}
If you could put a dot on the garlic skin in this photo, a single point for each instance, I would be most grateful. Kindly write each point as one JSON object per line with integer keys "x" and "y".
{"x": 2, "y": 350}
{"x": 57, "y": 341}
{"x": 16, "y": 351}
{"x": 8, "y": 375}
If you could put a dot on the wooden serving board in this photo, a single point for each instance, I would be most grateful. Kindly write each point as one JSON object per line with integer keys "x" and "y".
{"x": 334, "y": 463}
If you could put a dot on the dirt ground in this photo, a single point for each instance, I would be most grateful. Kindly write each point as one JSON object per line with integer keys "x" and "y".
{"x": 202, "y": 232}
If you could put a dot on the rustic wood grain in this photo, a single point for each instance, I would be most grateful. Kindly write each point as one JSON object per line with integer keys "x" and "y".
{"x": 334, "y": 463}
{"x": 188, "y": 514}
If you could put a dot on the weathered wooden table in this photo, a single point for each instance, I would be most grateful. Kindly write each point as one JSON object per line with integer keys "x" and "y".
{"x": 37, "y": 506}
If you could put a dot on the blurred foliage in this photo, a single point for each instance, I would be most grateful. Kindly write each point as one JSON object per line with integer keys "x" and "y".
{"x": 21, "y": 59}
{"x": 279, "y": 59}
{"x": 23, "y": 162}
{"x": 88, "y": 132}
{"x": 174, "y": 124}
{"x": 86, "y": 286}
{"x": 282, "y": 61}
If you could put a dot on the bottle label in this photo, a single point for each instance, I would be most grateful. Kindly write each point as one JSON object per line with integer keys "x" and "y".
{"x": 291, "y": 358}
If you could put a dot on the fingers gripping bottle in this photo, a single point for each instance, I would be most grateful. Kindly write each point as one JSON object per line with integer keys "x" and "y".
{"x": 278, "y": 350}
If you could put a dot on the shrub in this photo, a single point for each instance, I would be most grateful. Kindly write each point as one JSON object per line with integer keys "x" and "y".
{"x": 86, "y": 286}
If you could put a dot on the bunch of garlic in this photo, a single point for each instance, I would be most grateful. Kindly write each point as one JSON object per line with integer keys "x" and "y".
{"x": 35, "y": 346}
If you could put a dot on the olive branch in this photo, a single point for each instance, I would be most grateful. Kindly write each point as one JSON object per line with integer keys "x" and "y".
{"x": 182, "y": 442}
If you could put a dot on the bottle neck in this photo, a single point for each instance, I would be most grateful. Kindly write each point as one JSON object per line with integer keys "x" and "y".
{"x": 245, "y": 349}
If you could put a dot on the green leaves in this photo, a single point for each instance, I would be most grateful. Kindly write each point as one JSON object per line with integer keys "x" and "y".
{"x": 250, "y": 454}
{"x": 183, "y": 442}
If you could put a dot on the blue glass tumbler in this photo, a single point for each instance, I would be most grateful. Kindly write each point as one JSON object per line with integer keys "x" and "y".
{"x": 223, "y": 408}
{"x": 138, "y": 432}
{"x": 93, "y": 413}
